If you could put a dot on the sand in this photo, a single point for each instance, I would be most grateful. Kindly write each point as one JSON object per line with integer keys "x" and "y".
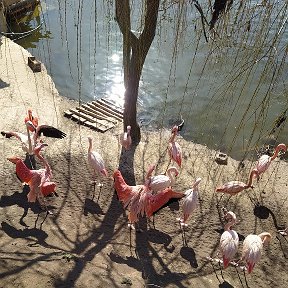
{"x": 86, "y": 242}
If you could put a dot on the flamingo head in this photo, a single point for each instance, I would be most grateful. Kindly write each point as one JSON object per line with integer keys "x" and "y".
{"x": 30, "y": 125}
{"x": 39, "y": 147}
{"x": 230, "y": 217}
{"x": 128, "y": 129}
{"x": 196, "y": 183}
{"x": 174, "y": 130}
{"x": 282, "y": 147}
{"x": 265, "y": 237}
{"x": 14, "y": 159}
{"x": 30, "y": 113}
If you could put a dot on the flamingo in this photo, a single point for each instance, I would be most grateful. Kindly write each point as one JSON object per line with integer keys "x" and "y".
{"x": 33, "y": 178}
{"x": 229, "y": 240}
{"x": 139, "y": 198}
{"x": 190, "y": 202}
{"x": 96, "y": 163}
{"x": 31, "y": 118}
{"x": 265, "y": 160}
{"x": 125, "y": 139}
{"x": 234, "y": 187}
{"x": 26, "y": 140}
{"x": 174, "y": 149}
{"x": 160, "y": 182}
{"x": 46, "y": 186}
{"x": 252, "y": 247}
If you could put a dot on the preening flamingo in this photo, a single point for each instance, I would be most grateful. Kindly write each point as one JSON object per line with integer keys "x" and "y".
{"x": 252, "y": 247}
{"x": 229, "y": 240}
{"x": 265, "y": 160}
{"x": 234, "y": 187}
{"x": 174, "y": 149}
{"x": 160, "y": 182}
{"x": 125, "y": 138}
{"x": 33, "y": 178}
{"x": 190, "y": 202}
{"x": 96, "y": 163}
{"x": 47, "y": 187}
{"x": 139, "y": 199}
{"x": 31, "y": 118}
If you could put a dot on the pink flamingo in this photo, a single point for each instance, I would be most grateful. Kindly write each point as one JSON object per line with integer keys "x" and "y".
{"x": 139, "y": 199}
{"x": 174, "y": 149}
{"x": 229, "y": 240}
{"x": 265, "y": 160}
{"x": 190, "y": 203}
{"x": 160, "y": 182}
{"x": 31, "y": 118}
{"x": 234, "y": 187}
{"x": 96, "y": 163}
{"x": 252, "y": 247}
{"x": 125, "y": 139}
{"x": 34, "y": 179}
{"x": 46, "y": 186}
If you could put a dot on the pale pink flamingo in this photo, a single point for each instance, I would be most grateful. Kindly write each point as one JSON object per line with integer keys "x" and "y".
{"x": 160, "y": 182}
{"x": 96, "y": 163}
{"x": 234, "y": 187}
{"x": 31, "y": 118}
{"x": 252, "y": 247}
{"x": 125, "y": 138}
{"x": 190, "y": 202}
{"x": 26, "y": 139}
{"x": 265, "y": 160}
{"x": 174, "y": 148}
{"x": 229, "y": 240}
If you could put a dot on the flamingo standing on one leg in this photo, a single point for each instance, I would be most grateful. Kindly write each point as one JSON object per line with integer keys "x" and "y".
{"x": 160, "y": 182}
{"x": 252, "y": 247}
{"x": 97, "y": 163}
{"x": 125, "y": 138}
{"x": 190, "y": 203}
{"x": 265, "y": 160}
{"x": 229, "y": 240}
{"x": 174, "y": 148}
{"x": 31, "y": 118}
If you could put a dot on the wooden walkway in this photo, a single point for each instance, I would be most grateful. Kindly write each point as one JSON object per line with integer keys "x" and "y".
{"x": 100, "y": 115}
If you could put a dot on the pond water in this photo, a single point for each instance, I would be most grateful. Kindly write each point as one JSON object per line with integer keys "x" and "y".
{"x": 230, "y": 91}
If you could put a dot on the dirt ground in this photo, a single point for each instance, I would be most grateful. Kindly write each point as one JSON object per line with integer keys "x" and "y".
{"x": 86, "y": 242}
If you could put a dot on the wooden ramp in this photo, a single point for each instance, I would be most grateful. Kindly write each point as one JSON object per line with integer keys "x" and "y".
{"x": 100, "y": 115}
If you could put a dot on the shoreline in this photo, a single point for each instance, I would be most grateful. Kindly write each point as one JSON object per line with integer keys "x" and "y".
{"x": 86, "y": 241}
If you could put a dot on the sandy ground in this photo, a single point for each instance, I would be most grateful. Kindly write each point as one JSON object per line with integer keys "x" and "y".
{"x": 86, "y": 242}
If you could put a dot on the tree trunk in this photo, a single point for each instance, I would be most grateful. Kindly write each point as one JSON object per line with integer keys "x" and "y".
{"x": 134, "y": 53}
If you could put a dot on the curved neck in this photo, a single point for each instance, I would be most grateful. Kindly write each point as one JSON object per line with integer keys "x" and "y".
{"x": 171, "y": 174}
{"x": 228, "y": 225}
{"x": 278, "y": 148}
{"x": 172, "y": 138}
{"x": 265, "y": 237}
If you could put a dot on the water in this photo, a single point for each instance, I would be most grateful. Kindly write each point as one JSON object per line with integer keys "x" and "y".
{"x": 229, "y": 91}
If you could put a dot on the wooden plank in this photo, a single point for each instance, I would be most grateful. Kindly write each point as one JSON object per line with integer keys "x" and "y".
{"x": 103, "y": 124}
{"x": 111, "y": 105}
{"x": 93, "y": 112}
{"x": 107, "y": 111}
{"x": 84, "y": 122}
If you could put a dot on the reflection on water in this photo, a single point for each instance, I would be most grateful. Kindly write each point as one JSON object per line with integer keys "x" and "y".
{"x": 229, "y": 91}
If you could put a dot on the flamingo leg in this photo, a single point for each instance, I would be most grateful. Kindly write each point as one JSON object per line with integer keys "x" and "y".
{"x": 238, "y": 276}
{"x": 211, "y": 261}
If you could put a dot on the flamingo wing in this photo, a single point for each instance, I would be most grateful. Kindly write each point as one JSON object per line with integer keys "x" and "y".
{"x": 49, "y": 131}
{"x": 228, "y": 246}
{"x": 175, "y": 152}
